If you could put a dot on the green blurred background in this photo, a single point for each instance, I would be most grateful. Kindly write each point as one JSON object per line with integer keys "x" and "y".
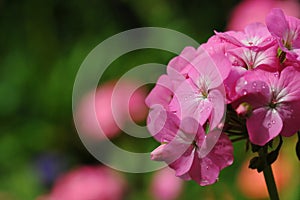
{"x": 42, "y": 45}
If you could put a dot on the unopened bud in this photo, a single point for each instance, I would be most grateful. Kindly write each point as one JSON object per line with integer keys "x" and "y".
{"x": 244, "y": 109}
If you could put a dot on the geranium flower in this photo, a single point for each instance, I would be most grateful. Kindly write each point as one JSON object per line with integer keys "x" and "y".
{"x": 201, "y": 95}
{"x": 183, "y": 151}
{"x": 275, "y": 101}
{"x": 255, "y": 36}
{"x": 287, "y": 31}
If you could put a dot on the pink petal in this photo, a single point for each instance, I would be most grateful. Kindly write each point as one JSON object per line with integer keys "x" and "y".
{"x": 290, "y": 113}
{"x": 294, "y": 24}
{"x": 183, "y": 164}
{"x": 217, "y": 98}
{"x": 206, "y": 68}
{"x": 192, "y": 104}
{"x": 158, "y": 154}
{"x": 222, "y": 153}
{"x": 207, "y": 144}
{"x": 254, "y": 88}
{"x": 231, "y": 37}
{"x": 289, "y": 85}
{"x": 161, "y": 93}
{"x": 263, "y": 125}
{"x": 190, "y": 126}
{"x": 257, "y": 34}
{"x": 161, "y": 124}
{"x": 277, "y": 23}
{"x": 156, "y": 121}
{"x": 230, "y": 82}
{"x": 204, "y": 171}
{"x": 250, "y": 59}
{"x": 180, "y": 62}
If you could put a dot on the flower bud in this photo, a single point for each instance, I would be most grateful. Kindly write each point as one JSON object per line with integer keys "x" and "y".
{"x": 244, "y": 109}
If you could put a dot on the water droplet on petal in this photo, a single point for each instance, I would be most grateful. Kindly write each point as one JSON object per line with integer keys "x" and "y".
{"x": 269, "y": 125}
{"x": 244, "y": 92}
{"x": 276, "y": 74}
{"x": 254, "y": 84}
{"x": 245, "y": 82}
{"x": 273, "y": 121}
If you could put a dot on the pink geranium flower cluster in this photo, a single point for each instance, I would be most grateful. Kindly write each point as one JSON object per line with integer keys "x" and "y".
{"x": 239, "y": 84}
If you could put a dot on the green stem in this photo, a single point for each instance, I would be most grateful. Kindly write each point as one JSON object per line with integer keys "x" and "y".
{"x": 268, "y": 174}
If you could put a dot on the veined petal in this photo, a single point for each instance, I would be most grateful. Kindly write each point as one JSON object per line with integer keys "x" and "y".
{"x": 207, "y": 69}
{"x": 192, "y": 103}
{"x": 250, "y": 59}
{"x": 288, "y": 86}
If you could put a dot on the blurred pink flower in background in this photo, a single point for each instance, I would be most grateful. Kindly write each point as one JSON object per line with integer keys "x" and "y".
{"x": 165, "y": 185}
{"x": 110, "y": 105}
{"x": 249, "y": 11}
{"x": 90, "y": 183}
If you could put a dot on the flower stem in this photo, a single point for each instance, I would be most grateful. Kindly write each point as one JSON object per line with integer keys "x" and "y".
{"x": 268, "y": 175}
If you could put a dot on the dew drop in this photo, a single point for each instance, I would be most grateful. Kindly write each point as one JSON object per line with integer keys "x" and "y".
{"x": 245, "y": 82}
{"x": 244, "y": 92}
{"x": 269, "y": 125}
{"x": 273, "y": 121}
{"x": 276, "y": 74}
{"x": 254, "y": 84}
